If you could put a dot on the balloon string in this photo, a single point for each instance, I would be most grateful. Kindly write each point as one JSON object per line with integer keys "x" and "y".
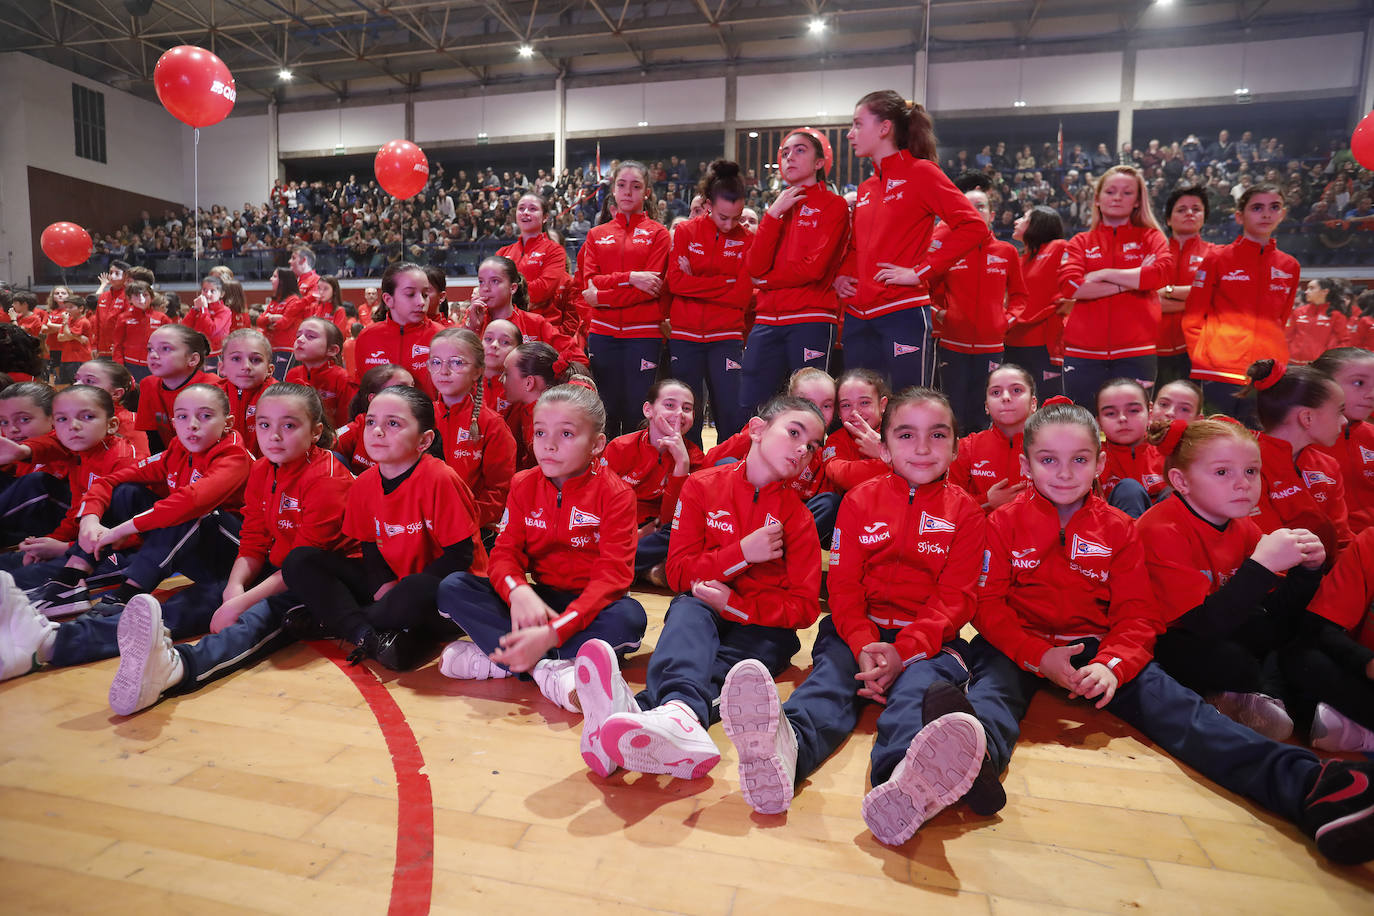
{"x": 195, "y": 199}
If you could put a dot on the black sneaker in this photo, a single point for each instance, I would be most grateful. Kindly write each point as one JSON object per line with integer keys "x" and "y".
{"x": 1339, "y": 812}
{"x": 57, "y": 599}
{"x": 401, "y": 650}
{"x": 986, "y": 796}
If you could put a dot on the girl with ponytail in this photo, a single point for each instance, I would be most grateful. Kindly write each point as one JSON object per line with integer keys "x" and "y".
{"x": 541, "y": 261}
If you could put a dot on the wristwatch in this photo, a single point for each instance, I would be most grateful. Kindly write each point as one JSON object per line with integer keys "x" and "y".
{"x": 1169, "y": 291}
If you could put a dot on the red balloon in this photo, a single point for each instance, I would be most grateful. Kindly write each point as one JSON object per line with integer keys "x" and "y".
{"x": 66, "y": 243}
{"x": 401, "y": 169}
{"x": 1362, "y": 142}
{"x": 194, "y": 85}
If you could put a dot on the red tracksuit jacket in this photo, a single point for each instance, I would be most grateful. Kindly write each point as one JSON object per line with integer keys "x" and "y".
{"x": 1354, "y": 452}
{"x": 387, "y": 342}
{"x": 128, "y": 428}
{"x": 577, "y": 539}
{"x": 348, "y": 442}
{"x": 1346, "y": 595}
{"x": 292, "y": 310}
{"x": 845, "y": 466}
{"x": 894, "y": 221}
{"x": 1125, "y": 324}
{"x": 1311, "y": 331}
{"x": 905, "y": 558}
{"x": 74, "y": 351}
{"x": 1046, "y": 586}
{"x": 213, "y": 322}
{"x": 1189, "y": 559}
{"x": 332, "y": 383}
{"x": 1186, "y": 262}
{"x": 486, "y": 462}
{"x": 113, "y": 453}
{"x": 1142, "y": 463}
{"x": 244, "y": 406}
{"x": 1242, "y": 296}
{"x": 1039, "y": 323}
{"x": 188, "y": 485}
{"x": 544, "y": 265}
{"x": 611, "y": 253}
{"x": 717, "y": 509}
{"x": 812, "y": 480}
{"x": 49, "y": 455}
{"x": 649, "y": 472}
{"x": 985, "y": 459}
{"x": 709, "y": 296}
{"x": 1302, "y": 491}
{"x": 432, "y": 509}
{"x": 109, "y": 310}
{"x": 131, "y": 335}
{"x": 977, "y": 293}
{"x": 535, "y": 327}
{"x": 300, "y": 504}
{"x": 794, "y": 259}
{"x": 156, "y": 400}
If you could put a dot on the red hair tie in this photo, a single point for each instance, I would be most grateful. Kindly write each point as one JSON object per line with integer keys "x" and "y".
{"x": 581, "y": 381}
{"x": 1058, "y": 399}
{"x": 1171, "y": 439}
{"x": 1276, "y": 373}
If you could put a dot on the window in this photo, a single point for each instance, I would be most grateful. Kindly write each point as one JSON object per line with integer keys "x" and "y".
{"x": 88, "y": 122}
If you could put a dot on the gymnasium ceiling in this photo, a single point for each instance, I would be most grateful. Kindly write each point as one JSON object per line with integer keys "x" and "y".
{"x": 359, "y": 49}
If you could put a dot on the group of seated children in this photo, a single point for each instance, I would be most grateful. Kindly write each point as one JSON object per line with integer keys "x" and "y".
{"x": 1210, "y": 586}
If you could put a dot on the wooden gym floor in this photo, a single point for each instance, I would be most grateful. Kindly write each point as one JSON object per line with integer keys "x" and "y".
{"x": 299, "y": 786}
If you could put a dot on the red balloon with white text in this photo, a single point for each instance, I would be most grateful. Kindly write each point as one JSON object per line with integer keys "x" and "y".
{"x": 194, "y": 85}
{"x": 402, "y": 169}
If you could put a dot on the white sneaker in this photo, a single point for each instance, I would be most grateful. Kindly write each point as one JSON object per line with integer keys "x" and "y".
{"x": 940, "y": 765}
{"x": 602, "y": 692}
{"x": 764, "y": 740}
{"x": 25, "y": 633}
{"x": 462, "y": 659}
{"x": 1333, "y": 731}
{"x": 1256, "y": 711}
{"x": 667, "y": 739}
{"x": 148, "y": 664}
{"x": 558, "y": 682}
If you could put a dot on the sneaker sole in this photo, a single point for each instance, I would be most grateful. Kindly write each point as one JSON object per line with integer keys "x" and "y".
{"x": 595, "y": 671}
{"x": 939, "y": 767}
{"x": 139, "y": 628}
{"x": 1348, "y": 840}
{"x": 634, "y": 747}
{"x": 751, "y": 714}
{"x": 986, "y": 796}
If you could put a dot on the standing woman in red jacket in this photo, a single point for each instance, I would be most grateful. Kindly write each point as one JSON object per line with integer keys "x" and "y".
{"x": 280, "y": 318}
{"x": 1035, "y": 336}
{"x": 891, "y": 259}
{"x": 620, "y": 280}
{"x": 796, "y": 250}
{"x": 710, "y": 286}
{"x": 542, "y": 262}
{"x": 1113, "y": 269}
{"x": 1187, "y": 211}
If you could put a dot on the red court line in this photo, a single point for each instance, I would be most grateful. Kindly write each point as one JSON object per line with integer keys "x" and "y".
{"x": 412, "y": 880}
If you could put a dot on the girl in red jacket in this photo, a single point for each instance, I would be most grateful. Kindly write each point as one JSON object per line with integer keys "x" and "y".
{"x": 1132, "y": 469}
{"x": 542, "y": 262}
{"x": 245, "y": 369}
{"x": 402, "y": 339}
{"x": 183, "y": 503}
{"x": 295, "y": 496}
{"x": 349, "y": 440}
{"x": 570, "y": 524}
{"x": 1186, "y": 212}
{"x": 416, "y": 522}
{"x": 529, "y": 373}
{"x": 1113, "y": 269}
{"x": 988, "y": 463}
{"x": 1035, "y": 335}
{"x": 1066, "y": 597}
{"x": 1176, "y": 400}
{"x": 620, "y": 284}
{"x": 33, "y": 488}
{"x": 746, "y": 563}
{"x": 793, "y": 258}
{"x": 907, "y": 552}
{"x": 1229, "y": 594}
{"x": 502, "y": 295}
{"x": 854, "y": 452}
{"x": 1329, "y": 667}
{"x": 280, "y": 318}
{"x": 113, "y": 378}
{"x": 1300, "y": 407}
{"x": 498, "y": 340}
{"x": 475, "y": 440}
{"x": 319, "y": 364}
{"x": 1353, "y": 370}
{"x": 327, "y": 303}
{"x": 210, "y": 316}
{"x": 654, "y": 462}
{"x": 176, "y": 359}
{"x": 891, "y": 259}
{"x": 136, "y": 324}
{"x": 1314, "y": 326}
{"x": 709, "y": 281}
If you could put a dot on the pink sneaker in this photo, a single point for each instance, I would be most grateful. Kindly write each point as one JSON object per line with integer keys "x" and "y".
{"x": 602, "y": 693}
{"x": 668, "y": 739}
{"x": 764, "y": 740}
{"x": 939, "y": 766}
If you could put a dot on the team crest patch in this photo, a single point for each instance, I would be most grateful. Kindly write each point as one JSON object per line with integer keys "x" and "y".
{"x": 901, "y": 349}
{"x": 808, "y": 354}
{"x": 933, "y": 524}
{"x": 289, "y": 504}
{"x": 1311, "y": 478}
{"x": 580, "y": 519}
{"x": 1082, "y": 547}
{"x": 731, "y": 364}
{"x": 645, "y": 365}
{"x": 770, "y": 520}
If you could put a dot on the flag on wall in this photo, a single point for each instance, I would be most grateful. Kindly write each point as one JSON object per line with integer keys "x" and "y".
{"x": 598, "y": 157}
{"x": 1061, "y": 144}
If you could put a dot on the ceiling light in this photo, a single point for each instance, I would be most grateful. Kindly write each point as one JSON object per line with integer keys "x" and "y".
{"x": 1019, "y": 103}
{"x": 643, "y": 123}
{"x": 817, "y": 26}
{"x": 526, "y": 51}
{"x": 1243, "y": 90}
{"x": 482, "y": 135}
{"x": 284, "y": 74}
{"x": 753, "y": 135}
